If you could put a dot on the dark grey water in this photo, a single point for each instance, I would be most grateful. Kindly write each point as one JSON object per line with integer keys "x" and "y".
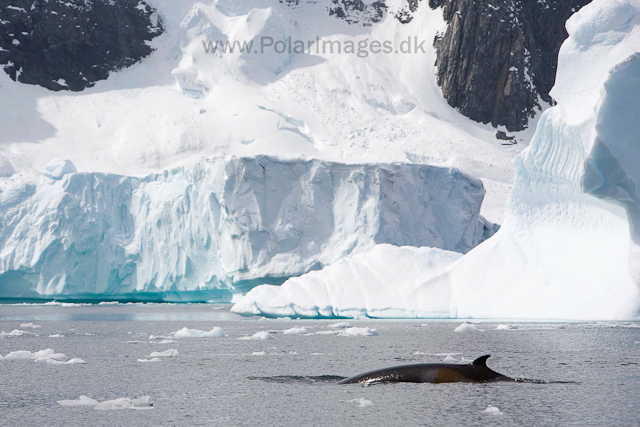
{"x": 216, "y": 381}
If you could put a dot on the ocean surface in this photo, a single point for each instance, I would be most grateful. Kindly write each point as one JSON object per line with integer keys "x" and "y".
{"x": 589, "y": 373}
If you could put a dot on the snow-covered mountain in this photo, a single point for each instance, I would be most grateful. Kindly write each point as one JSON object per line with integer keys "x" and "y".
{"x": 569, "y": 245}
{"x": 152, "y": 148}
{"x": 181, "y": 104}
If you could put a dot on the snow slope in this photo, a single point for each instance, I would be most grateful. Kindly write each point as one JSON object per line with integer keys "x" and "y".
{"x": 569, "y": 245}
{"x": 181, "y": 104}
{"x": 221, "y": 226}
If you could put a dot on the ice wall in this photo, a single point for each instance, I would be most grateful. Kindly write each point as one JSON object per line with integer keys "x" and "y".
{"x": 569, "y": 245}
{"x": 221, "y": 226}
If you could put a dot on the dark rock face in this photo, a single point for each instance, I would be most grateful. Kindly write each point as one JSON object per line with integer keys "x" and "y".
{"x": 498, "y": 58}
{"x": 72, "y": 44}
{"x": 357, "y": 11}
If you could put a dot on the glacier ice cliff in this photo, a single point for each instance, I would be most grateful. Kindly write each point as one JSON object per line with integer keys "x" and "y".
{"x": 221, "y": 226}
{"x": 569, "y": 245}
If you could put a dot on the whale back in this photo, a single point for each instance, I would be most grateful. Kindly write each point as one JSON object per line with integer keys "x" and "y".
{"x": 477, "y": 371}
{"x": 481, "y": 361}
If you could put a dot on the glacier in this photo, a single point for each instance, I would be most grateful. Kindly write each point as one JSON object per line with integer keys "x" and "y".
{"x": 569, "y": 244}
{"x": 217, "y": 228}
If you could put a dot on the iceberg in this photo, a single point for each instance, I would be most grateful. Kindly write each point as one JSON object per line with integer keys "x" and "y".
{"x": 569, "y": 247}
{"x": 379, "y": 283}
{"x": 217, "y": 228}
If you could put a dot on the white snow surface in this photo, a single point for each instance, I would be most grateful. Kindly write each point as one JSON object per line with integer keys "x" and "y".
{"x": 569, "y": 247}
{"x": 223, "y": 225}
{"x": 383, "y": 282}
{"x": 182, "y": 104}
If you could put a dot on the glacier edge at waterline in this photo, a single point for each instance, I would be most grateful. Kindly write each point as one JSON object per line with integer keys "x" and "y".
{"x": 569, "y": 246}
{"x": 221, "y": 226}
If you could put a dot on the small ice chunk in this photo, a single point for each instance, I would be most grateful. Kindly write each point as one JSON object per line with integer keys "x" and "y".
{"x": 56, "y": 336}
{"x": 216, "y": 332}
{"x": 80, "y": 401}
{"x": 259, "y": 353}
{"x": 449, "y": 359}
{"x": 155, "y": 359}
{"x": 162, "y": 342}
{"x": 340, "y": 325}
{"x": 30, "y": 325}
{"x": 143, "y": 402}
{"x": 358, "y": 332}
{"x": 296, "y": 331}
{"x": 172, "y": 352}
{"x": 14, "y": 333}
{"x": 506, "y": 327}
{"x": 27, "y": 355}
{"x": 262, "y": 335}
{"x": 362, "y": 402}
{"x": 49, "y": 361}
{"x": 467, "y": 327}
{"x": 492, "y": 410}
{"x": 57, "y": 168}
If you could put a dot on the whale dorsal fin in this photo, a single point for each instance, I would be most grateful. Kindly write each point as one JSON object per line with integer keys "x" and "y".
{"x": 482, "y": 360}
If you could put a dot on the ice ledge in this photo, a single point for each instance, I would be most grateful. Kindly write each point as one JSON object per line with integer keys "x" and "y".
{"x": 222, "y": 224}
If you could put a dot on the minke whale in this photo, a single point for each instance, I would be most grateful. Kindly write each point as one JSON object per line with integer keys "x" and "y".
{"x": 435, "y": 373}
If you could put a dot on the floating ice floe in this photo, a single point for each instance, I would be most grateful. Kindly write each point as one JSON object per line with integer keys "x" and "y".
{"x": 216, "y": 332}
{"x": 155, "y": 359}
{"x": 172, "y": 352}
{"x": 162, "y": 342}
{"x": 30, "y": 325}
{"x": 467, "y": 327}
{"x": 143, "y": 402}
{"x": 296, "y": 331}
{"x": 506, "y": 327}
{"x": 492, "y": 410}
{"x": 362, "y": 402}
{"x": 14, "y": 333}
{"x": 56, "y": 336}
{"x": 259, "y": 353}
{"x": 449, "y": 359}
{"x": 351, "y": 332}
{"x": 48, "y": 361}
{"x": 262, "y": 335}
{"x": 44, "y": 357}
{"x": 24, "y": 354}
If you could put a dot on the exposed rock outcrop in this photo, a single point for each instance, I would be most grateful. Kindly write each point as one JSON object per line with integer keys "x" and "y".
{"x": 72, "y": 44}
{"x": 497, "y": 60}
